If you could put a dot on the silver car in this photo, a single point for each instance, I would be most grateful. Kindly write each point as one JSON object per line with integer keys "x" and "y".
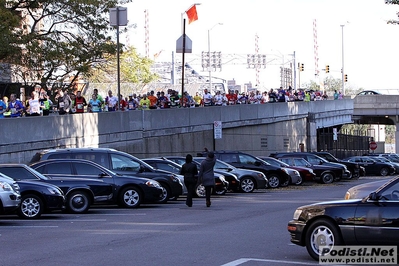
{"x": 10, "y": 197}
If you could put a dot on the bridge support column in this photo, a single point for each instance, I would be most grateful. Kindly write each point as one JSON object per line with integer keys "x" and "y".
{"x": 311, "y": 134}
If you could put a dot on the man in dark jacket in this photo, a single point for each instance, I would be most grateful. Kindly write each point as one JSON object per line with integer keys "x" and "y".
{"x": 190, "y": 172}
{"x": 207, "y": 176}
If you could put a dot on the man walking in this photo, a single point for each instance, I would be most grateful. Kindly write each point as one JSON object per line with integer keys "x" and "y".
{"x": 206, "y": 176}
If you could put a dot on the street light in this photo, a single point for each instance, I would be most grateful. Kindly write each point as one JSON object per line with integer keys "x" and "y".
{"x": 209, "y": 56}
{"x": 342, "y": 70}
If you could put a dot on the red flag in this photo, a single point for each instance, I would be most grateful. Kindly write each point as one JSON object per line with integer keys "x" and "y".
{"x": 192, "y": 14}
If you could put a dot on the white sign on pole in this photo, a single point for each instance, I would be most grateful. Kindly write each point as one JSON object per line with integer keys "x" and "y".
{"x": 179, "y": 45}
{"x": 217, "y": 129}
{"x": 335, "y": 134}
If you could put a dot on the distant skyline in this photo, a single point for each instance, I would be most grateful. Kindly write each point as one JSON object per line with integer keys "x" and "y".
{"x": 283, "y": 26}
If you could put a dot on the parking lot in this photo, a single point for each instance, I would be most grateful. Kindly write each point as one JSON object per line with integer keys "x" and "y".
{"x": 238, "y": 229}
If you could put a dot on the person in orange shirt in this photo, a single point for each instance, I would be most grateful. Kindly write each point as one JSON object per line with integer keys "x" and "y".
{"x": 153, "y": 100}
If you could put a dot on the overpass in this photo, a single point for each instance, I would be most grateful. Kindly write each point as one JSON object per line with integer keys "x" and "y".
{"x": 377, "y": 109}
{"x": 258, "y": 128}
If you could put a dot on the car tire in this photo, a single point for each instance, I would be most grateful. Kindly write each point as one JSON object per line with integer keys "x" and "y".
{"x": 130, "y": 197}
{"x": 200, "y": 191}
{"x": 78, "y": 202}
{"x": 299, "y": 182}
{"x": 274, "y": 181}
{"x": 247, "y": 185}
{"x": 31, "y": 207}
{"x": 327, "y": 178}
{"x": 321, "y": 233}
{"x": 166, "y": 194}
{"x": 384, "y": 171}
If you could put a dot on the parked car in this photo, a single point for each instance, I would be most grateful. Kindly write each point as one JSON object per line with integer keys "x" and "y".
{"x": 249, "y": 180}
{"x": 372, "y": 166}
{"x": 317, "y": 160}
{"x": 38, "y": 198}
{"x": 221, "y": 184}
{"x": 305, "y": 173}
{"x": 120, "y": 163}
{"x": 354, "y": 168}
{"x": 231, "y": 178}
{"x": 10, "y": 197}
{"x": 324, "y": 174}
{"x": 128, "y": 191}
{"x": 79, "y": 193}
{"x": 393, "y": 157}
{"x": 276, "y": 176}
{"x": 385, "y": 160}
{"x": 371, "y": 220}
{"x": 369, "y": 92}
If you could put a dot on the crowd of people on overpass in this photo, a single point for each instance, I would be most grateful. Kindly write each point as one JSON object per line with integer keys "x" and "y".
{"x": 39, "y": 103}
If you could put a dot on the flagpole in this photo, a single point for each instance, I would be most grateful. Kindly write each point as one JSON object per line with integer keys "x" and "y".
{"x": 183, "y": 58}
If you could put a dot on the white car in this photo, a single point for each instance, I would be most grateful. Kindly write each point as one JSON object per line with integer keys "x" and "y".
{"x": 10, "y": 198}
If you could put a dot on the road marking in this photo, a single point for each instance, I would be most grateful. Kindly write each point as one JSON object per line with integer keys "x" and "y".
{"x": 30, "y": 226}
{"x": 245, "y": 260}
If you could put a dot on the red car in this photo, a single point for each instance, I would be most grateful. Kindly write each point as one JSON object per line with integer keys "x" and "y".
{"x": 306, "y": 173}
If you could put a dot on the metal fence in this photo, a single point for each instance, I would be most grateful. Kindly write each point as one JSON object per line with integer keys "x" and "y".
{"x": 344, "y": 146}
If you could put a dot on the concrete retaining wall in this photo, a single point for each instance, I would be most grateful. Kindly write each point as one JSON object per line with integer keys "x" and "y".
{"x": 258, "y": 129}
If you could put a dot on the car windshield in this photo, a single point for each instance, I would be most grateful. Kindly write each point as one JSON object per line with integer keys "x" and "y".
{"x": 39, "y": 174}
{"x": 328, "y": 157}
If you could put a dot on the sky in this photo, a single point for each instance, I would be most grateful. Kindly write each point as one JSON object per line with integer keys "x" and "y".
{"x": 283, "y": 27}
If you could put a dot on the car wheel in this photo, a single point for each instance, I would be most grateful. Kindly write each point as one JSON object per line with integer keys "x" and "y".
{"x": 200, "y": 191}
{"x": 322, "y": 234}
{"x": 274, "y": 181}
{"x": 384, "y": 171}
{"x": 300, "y": 181}
{"x": 130, "y": 197}
{"x": 166, "y": 195}
{"x": 31, "y": 207}
{"x": 327, "y": 178}
{"x": 78, "y": 202}
{"x": 247, "y": 185}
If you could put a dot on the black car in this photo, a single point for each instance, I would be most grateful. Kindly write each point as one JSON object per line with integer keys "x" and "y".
{"x": 324, "y": 174}
{"x": 316, "y": 160}
{"x": 354, "y": 168}
{"x": 38, "y": 198}
{"x": 120, "y": 163}
{"x": 128, "y": 191}
{"x": 372, "y": 220}
{"x": 232, "y": 180}
{"x": 79, "y": 193}
{"x": 249, "y": 180}
{"x": 275, "y": 175}
{"x": 372, "y": 166}
{"x": 221, "y": 185}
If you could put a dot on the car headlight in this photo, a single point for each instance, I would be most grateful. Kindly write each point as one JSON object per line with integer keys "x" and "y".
{"x": 174, "y": 178}
{"x": 296, "y": 172}
{"x": 54, "y": 191}
{"x": 152, "y": 183}
{"x": 285, "y": 170}
{"x": 5, "y": 186}
{"x": 297, "y": 213}
{"x": 347, "y": 195}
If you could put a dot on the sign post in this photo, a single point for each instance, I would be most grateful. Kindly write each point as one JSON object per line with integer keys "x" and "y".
{"x": 217, "y": 132}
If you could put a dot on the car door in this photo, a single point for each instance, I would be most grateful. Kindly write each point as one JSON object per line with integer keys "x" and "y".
{"x": 377, "y": 221}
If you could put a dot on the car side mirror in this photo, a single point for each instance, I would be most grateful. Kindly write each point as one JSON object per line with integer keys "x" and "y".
{"x": 373, "y": 196}
{"x": 321, "y": 162}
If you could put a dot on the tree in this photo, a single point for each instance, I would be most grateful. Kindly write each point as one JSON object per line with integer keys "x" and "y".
{"x": 134, "y": 69}
{"x": 59, "y": 40}
{"x": 393, "y": 2}
{"x": 330, "y": 85}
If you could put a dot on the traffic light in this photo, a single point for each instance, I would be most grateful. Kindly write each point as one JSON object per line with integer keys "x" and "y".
{"x": 346, "y": 78}
{"x": 301, "y": 66}
{"x": 327, "y": 69}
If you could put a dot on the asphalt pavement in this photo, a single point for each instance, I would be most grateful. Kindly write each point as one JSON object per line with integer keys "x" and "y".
{"x": 238, "y": 229}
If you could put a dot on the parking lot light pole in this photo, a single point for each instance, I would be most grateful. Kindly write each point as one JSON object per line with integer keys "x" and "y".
{"x": 342, "y": 70}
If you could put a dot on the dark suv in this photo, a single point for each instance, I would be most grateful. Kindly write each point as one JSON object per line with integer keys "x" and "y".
{"x": 276, "y": 175}
{"x": 316, "y": 160}
{"x": 120, "y": 163}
